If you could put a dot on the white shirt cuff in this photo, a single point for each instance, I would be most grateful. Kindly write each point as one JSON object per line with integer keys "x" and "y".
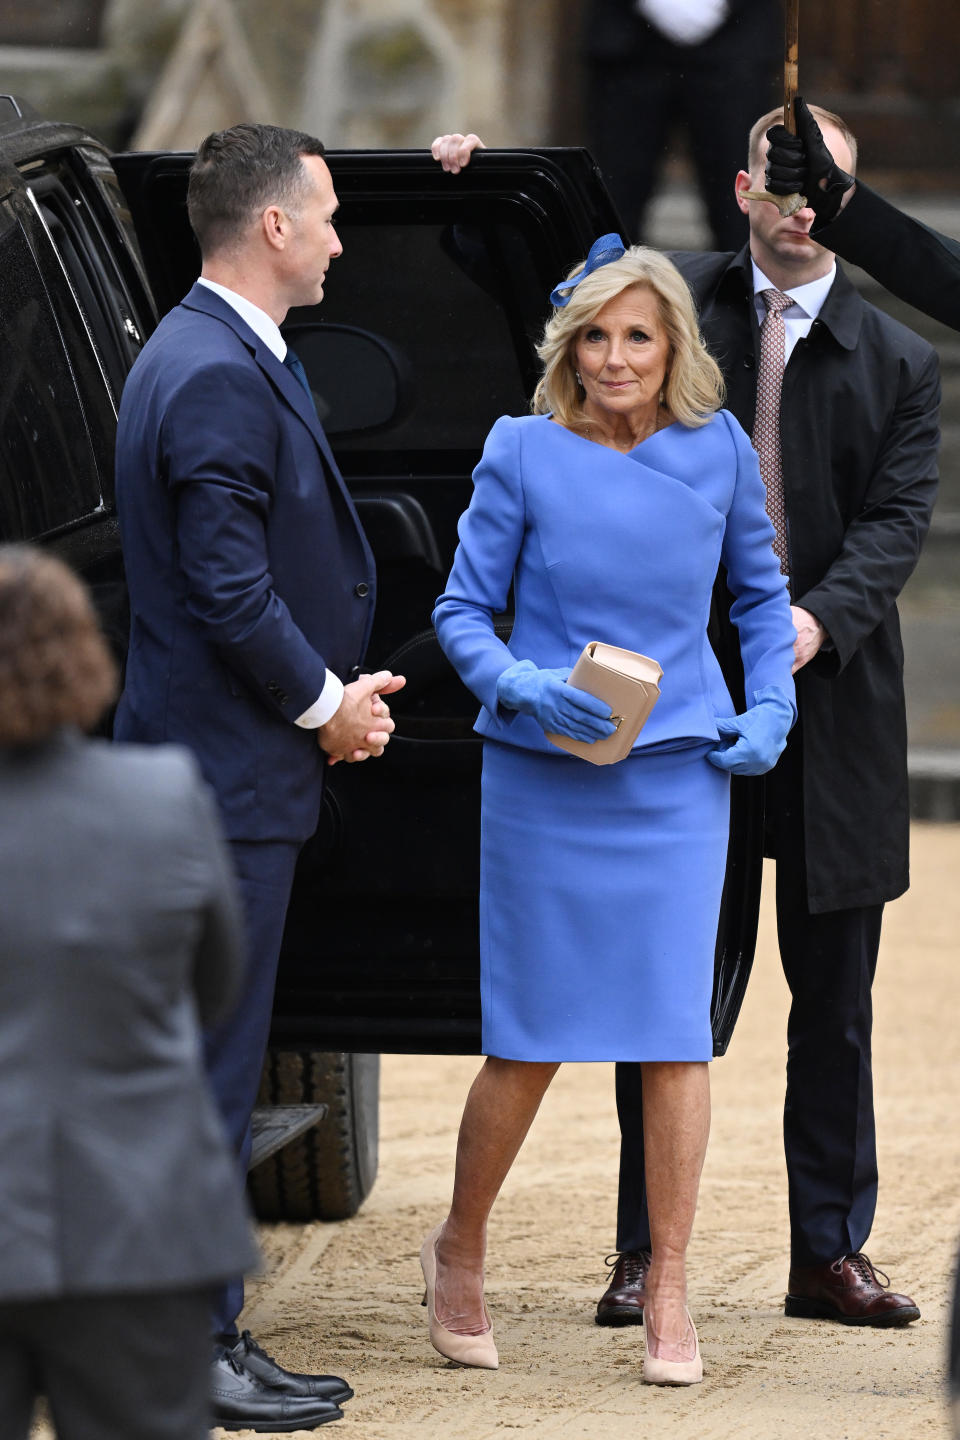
{"x": 325, "y": 707}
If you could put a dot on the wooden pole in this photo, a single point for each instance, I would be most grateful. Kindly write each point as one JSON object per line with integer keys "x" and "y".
{"x": 791, "y": 63}
{"x": 787, "y": 204}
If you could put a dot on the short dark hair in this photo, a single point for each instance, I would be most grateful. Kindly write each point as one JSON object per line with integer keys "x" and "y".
{"x": 55, "y": 668}
{"x": 238, "y": 172}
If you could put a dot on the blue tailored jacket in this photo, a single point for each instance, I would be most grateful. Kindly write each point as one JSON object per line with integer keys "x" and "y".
{"x": 620, "y": 548}
{"x": 248, "y": 571}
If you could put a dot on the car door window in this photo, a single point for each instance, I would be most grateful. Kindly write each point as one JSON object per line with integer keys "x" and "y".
{"x": 115, "y": 329}
{"x": 458, "y": 301}
{"x": 49, "y": 475}
{"x": 107, "y": 207}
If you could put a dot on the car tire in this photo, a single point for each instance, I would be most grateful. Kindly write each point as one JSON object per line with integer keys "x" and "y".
{"x": 327, "y": 1173}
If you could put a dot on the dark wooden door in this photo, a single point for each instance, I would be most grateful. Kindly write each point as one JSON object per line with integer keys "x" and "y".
{"x": 891, "y": 68}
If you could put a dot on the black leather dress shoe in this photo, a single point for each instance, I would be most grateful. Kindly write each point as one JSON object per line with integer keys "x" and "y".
{"x": 242, "y": 1402}
{"x": 264, "y": 1368}
{"x": 849, "y": 1290}
{"x": 625, "y": 1296}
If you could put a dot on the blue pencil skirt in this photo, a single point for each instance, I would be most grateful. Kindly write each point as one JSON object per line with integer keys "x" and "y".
{"x": 599, "y": 899}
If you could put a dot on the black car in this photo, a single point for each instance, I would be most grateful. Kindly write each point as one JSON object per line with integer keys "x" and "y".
{"x": 425, "y": 337}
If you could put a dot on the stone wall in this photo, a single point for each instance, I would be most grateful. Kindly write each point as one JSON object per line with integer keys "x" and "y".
{"x": 357, "y": 72}
{"x": 396, "y": 72}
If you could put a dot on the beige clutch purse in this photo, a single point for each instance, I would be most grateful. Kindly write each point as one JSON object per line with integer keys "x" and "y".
{"x": 629, "y": 684}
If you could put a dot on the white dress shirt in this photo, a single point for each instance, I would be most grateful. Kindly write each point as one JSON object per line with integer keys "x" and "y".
{"x": 807, "y": 303}
{"x": 328, "y": 702}
{"x": 797, "y": 318}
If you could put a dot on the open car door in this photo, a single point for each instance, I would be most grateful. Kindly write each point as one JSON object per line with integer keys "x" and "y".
{"x": 426, "y": 335}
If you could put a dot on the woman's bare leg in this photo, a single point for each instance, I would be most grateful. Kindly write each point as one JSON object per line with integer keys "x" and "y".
{"x": 676, "y": 1124}
{"x": 500, "y": 1109}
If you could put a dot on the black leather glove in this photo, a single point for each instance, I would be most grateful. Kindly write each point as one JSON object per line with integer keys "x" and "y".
{"x": 802, "y": 164}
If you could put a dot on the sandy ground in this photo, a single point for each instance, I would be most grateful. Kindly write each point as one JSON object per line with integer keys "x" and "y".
{"x": 345, "y": 1297}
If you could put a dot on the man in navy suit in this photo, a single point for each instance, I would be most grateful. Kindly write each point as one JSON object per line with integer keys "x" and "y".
{"x": 252, "y": 590}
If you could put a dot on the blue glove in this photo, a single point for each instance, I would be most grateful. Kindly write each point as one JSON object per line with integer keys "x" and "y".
{"x": 557, "y": 707}
{"x": 758, "y": 738}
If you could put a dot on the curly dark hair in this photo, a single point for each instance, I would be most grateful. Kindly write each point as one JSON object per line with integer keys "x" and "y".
{"x": 55, "y": 668}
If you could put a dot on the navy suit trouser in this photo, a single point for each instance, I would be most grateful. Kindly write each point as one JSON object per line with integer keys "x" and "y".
{"x": 235, "y": 1050}
{"x": 829, "y": 1133}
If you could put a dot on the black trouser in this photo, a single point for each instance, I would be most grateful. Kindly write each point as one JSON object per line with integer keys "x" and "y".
{"x": 111, "y": 1366}
{"x": 718, "y": 92}
{"x": 829, "y": 1134}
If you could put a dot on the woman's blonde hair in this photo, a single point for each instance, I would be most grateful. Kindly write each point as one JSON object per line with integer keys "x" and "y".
{"x": 55, "y": 668}
{"x": 693, "y": 389}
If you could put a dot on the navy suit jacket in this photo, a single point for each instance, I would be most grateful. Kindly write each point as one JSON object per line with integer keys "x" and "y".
{"x": 248, "y": 571}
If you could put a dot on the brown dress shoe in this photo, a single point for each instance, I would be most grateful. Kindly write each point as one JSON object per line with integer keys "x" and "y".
{"x": 849, "y": 1290}
{"x": 623, "y": 1300}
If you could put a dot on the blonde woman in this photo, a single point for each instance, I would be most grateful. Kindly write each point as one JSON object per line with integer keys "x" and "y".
{"x": 608, "y": 510}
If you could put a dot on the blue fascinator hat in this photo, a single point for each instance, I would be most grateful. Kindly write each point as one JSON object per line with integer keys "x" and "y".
{"x": 602, "y": 252}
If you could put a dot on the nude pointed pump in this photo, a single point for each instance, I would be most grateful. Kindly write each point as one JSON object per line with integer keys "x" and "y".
{"x": 659, "y": 1371}
{"x": 476, "y": 1350}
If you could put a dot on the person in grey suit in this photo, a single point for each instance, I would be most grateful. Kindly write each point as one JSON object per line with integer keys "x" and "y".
{"x": 119, "y": 933}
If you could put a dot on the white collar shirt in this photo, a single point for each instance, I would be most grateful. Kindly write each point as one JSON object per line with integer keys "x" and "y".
{"x": 259, "y": 321}
{"x": 807, "y": 299}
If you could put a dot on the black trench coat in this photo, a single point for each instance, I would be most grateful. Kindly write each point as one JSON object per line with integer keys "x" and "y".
{"x": 859, "y": 439}
{"x": 911, "y": 260}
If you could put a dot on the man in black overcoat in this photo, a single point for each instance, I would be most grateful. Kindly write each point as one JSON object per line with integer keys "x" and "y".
{"x": 859, "y": 436}
{"x": 913, "y": 261}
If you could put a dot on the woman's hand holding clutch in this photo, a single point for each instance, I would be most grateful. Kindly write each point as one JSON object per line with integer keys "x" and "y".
{"x": 557, "y": 707}
{"x": 756, "y": 739}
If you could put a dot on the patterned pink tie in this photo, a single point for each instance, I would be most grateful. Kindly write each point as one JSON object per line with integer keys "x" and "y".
{"x": 766, "y": 425}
